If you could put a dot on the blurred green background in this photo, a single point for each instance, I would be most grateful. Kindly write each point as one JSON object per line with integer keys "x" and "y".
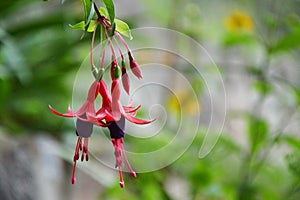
{"x": 254, "y": 43}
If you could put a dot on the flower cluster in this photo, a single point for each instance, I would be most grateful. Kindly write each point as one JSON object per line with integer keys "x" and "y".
{"x": 112, "y": 114}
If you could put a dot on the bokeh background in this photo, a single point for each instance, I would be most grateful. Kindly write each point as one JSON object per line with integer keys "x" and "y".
{"x": 254, "y": 44}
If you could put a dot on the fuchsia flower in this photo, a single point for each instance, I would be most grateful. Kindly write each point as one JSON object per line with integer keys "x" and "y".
{"x": 111, "y": 114}
{"x": 117, "y": 133}
{"x": 88, "y": 107}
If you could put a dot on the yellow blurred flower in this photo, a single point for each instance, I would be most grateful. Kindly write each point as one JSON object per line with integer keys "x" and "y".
{"x": 182, "y": 103}
{"x": 239, "y": 22}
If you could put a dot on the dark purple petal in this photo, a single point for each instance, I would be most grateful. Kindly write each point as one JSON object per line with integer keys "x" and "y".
{"x": 84, "y": 128}
{"x": 117, "y": 129}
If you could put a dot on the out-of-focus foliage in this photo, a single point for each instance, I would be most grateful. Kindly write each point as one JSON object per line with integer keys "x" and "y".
{"x": 38, "y": 56}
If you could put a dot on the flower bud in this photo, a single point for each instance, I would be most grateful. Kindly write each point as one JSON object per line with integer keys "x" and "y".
{"x": 125, "y": 79}
{"x": 134, "y": 66}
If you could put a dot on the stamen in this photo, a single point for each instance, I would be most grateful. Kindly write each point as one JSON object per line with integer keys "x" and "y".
{"x": 133, "y": 174}
{"x": 85, "y": 148}
{"x": 74, "y": 173}
{"x": 121, "y": 177}
{"x": 79, "y": 142}
{"x": 82, "y": 156}
{"x": 77, "y": 149}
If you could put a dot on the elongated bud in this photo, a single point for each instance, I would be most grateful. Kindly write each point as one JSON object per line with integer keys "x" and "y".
{"x": 115, "y": 96}
{"x": 125, "y": 78}
{"x": 134, "y": 66}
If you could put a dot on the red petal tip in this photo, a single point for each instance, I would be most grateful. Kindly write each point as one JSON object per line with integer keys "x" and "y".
{"x": 122, "y": 185}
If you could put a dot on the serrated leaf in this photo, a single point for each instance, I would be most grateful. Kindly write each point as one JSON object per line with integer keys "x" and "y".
{"x": 109, "y": 4}
{"x": 103, "y": 11}
{"x": 123, "y": 28}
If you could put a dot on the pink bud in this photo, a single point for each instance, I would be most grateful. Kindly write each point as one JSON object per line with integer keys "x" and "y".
{"x": 136, "y": 69}
{"x": 134, "y": 66}
{"x": 125, "y": 80}
{"x": 74, "y": 173}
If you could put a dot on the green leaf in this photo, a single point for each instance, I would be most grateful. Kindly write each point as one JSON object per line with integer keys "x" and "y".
{"x": 103, "y": 11}
{"x": 87, "y": 5}
{"x": 92, "y": 26}
{"x": 78, "y": 26}
{"x": 81, "y": 26}
{"x": 288, "y": 42}
{"x": 258, "y": 130}
{"x": 292, "y": 141}
{"x": 262, "y": 86}
{"x": 123, "y": 28}
{"x": 88, "y": 11}
{"x": 109, "y": 4}
{"x": 232, "y": 39}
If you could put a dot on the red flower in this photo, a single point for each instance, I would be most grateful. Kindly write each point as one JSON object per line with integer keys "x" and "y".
{"x": 111, "y": 109}
{"x": 87, "y": 110}
{"x": 117, "y": 133}
{"x": 126, "y": 111}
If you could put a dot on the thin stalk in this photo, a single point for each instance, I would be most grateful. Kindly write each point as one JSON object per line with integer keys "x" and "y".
{"x": 122, "y": 40}
{"x": 92, "y": 47}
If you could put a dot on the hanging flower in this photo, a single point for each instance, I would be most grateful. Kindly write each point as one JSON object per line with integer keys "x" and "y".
{"x": 117, "y": 133}
{"x": 87, "y": 109}
{"x": 111, "y": 114}
{"x": 111, "y": 109}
